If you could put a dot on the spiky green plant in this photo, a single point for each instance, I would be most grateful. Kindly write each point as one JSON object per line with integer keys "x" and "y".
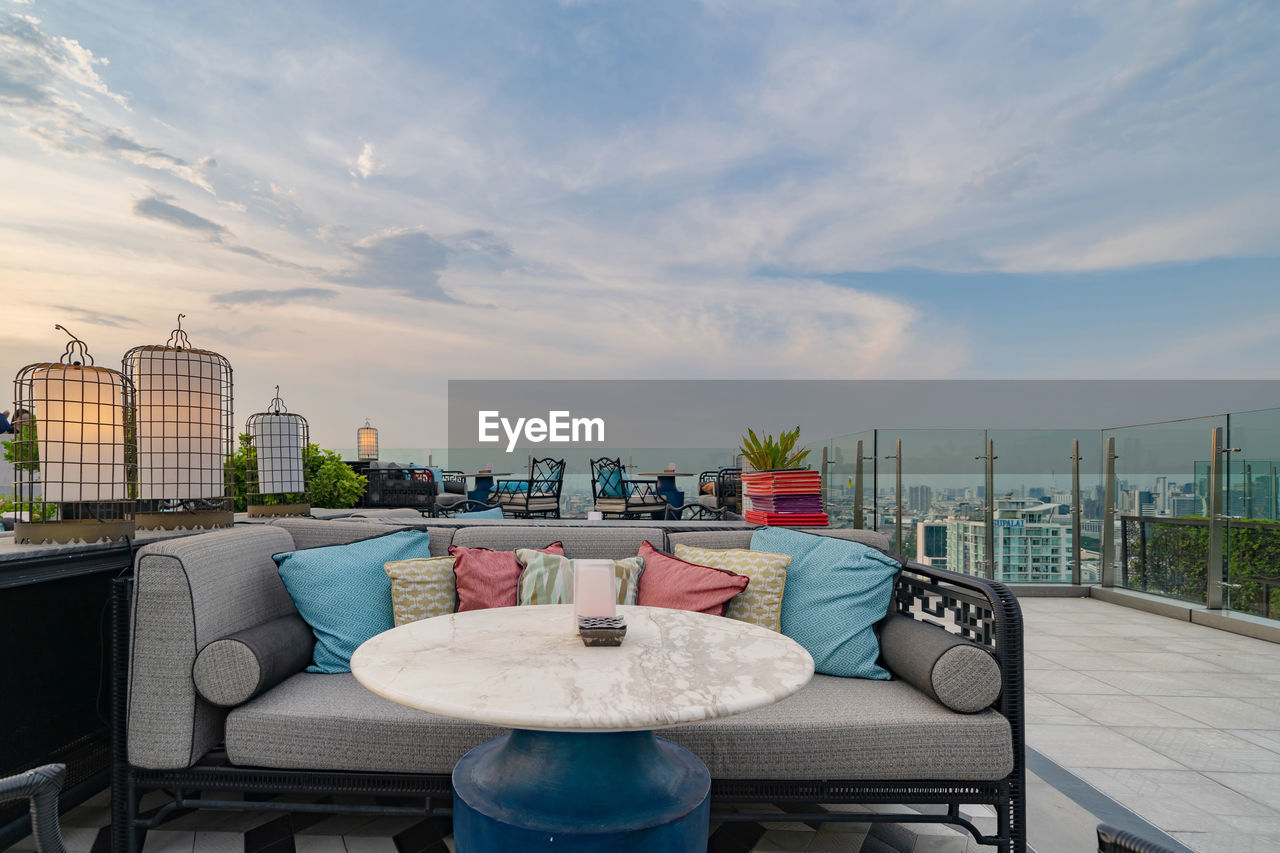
{"x": 770, "y": 453}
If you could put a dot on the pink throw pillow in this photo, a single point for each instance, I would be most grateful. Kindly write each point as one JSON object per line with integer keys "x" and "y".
{"x": 489, "y": 578}
{"x": 680, "y": 585}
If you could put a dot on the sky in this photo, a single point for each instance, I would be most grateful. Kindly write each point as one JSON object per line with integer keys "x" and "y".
{"x": 361, "y": 201}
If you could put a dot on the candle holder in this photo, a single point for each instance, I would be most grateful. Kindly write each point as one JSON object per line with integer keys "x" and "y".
{"x": 183, "y": 436}
{"x": 602, "y": 630}
{"x": 70, "y": 464}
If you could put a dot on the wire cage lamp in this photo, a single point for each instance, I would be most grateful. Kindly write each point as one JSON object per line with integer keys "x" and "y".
{"x": 367, "y": 443}
{"x": 183, "y": 436}
{"x": 70, "y": 463}
{"x": 277, "y": 483}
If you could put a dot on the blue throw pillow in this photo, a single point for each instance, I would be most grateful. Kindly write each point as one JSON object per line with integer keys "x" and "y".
{"x": 512, "y": 487}
{"x": 496, "y": 512}
{"x": 611, "y": 484}
{"x": 343, "y": 592}
{"x": 836, "y": 591}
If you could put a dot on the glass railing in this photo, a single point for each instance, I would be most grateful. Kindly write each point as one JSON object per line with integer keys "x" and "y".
{"x": 1170, "y": 514}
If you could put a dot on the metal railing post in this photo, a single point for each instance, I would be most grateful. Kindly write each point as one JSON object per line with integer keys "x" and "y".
{"x": 1075, "y": 511}
{"x": 1108, "y": 569}
{"x": 1213, "y": 571}
{"x": 897, "y": 496}
{"x": 989, "y": 509}
{"x": 823, "y": 491}
{"x": 857, "y": 485}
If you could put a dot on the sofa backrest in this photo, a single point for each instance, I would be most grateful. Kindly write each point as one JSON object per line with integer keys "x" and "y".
{"x": 742, "y": 538}
{"x": 189, "y": 592}
{"x": 608, "y": 542}
{"x": 315, "y": 533}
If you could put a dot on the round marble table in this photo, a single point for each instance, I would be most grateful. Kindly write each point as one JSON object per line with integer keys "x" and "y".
{"x": 582, "y": 769}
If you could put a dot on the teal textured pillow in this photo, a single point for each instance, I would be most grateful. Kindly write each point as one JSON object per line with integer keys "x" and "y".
{"x": 496, "y": 512}
{"x": 611, "y": 484}
{"x": 836, "y": 591}
{"x": 343, "y": 592}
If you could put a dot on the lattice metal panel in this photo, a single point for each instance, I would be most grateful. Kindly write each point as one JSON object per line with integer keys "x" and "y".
{"x": 959, "y": 611}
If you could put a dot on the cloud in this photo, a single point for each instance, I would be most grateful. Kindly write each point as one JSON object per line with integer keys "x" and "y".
{"x": 273, "y": 297}
{"x": 408, "y": 261}
{"x": 46, "y": 84}
{"x": 98, "y": 318}
{"x": 367, "y": 163}
{"x": 159, "y": 208}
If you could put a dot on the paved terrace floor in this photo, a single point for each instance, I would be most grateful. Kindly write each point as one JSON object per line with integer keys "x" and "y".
{"x": 1131, "y": 717}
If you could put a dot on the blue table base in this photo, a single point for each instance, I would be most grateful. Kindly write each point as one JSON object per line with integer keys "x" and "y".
{"x": 615, "y": 791}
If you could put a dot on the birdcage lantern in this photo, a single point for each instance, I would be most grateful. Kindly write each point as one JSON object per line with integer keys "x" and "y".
{"x": 70, "y": 465}
{"x": 276, "y": 483}
{"x": 367, "y": 443}
{"x": 183, "y": 435}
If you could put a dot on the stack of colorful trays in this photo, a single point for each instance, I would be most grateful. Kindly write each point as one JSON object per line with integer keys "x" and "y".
{"x": 791, "y": 498}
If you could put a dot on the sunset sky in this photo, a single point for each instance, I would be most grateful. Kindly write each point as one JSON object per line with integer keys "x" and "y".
{"x": 360, "y": 201}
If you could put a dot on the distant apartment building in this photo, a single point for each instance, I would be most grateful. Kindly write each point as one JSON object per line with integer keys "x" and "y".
{"x": 931, "y": 543}
{"x": 919, "y": 499}
{"x": 1032, "y": 543}
{"x": 1182, "y": 505}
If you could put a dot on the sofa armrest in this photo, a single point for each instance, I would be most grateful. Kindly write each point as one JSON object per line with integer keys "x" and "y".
{"x": 187, "y": 593}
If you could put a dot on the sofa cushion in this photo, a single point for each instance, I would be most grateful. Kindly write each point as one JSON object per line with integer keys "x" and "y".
{"x": 488, "y": 578}
{"x": 957, "y": 672}
{"x": 344, "y": 593}
{"x": 761, "y": 602}
{"x": 613, "y": 542}
{"x": 233, "y": 670}
{"x": 331, "y": 722}
{"x": 421, "y": 588}
{"x": 834, "y": 728}
{"x": 852, "y": 728}
{"x": 671, "y": 582}
{"x": 836, "y": 592}
{"x": 548, "y": 578}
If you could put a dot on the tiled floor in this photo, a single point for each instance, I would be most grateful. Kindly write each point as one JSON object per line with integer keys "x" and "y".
{"x": 1177, "y": 722}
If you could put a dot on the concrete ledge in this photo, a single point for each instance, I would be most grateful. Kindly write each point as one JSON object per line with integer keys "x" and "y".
{"x": 1224, "y": 620}
{"x": 1049, "y": 590}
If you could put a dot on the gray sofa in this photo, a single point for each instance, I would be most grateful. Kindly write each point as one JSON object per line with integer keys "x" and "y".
{"x": 836, "y": 741}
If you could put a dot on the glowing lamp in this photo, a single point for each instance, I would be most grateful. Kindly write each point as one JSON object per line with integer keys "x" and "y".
{"x": 367, "y": 443}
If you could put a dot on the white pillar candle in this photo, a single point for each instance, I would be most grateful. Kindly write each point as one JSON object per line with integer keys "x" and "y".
{"x": 594, "y": 589}
{"x": 181, "y": 446}
{"x": 278, "y": 440}
{"x": 79, "y": 416}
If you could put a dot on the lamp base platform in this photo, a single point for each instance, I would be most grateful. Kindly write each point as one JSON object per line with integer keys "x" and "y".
{"x": 182, "y": 520}
{"x": 63, "y": 532}
{"x": 273, "y": 510}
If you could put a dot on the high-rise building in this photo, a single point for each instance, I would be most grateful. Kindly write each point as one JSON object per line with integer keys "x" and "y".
{"x": 931, "y": 543}
{"x": 919, "y": 499}
{"x": 1032, "y": 543}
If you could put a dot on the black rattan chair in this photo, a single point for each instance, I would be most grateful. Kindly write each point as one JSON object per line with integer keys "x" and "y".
{"x": 537, "y": 495}
{"x": 726, "y": 491}
{"x": 41, "y": 786}
{"x": 462, "y": 508}
{"x": 618, "y": 497}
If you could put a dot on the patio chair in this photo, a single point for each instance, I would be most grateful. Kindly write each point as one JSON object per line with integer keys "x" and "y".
{"x": 463, "y": 507}
{"x": 616, "y": 496}
{"x": 452, "y": 491}
{"x": 41, "y": 786}
{"x": 539, "y": 494}
{"x": 695, "y": 512}
{"x": 725, "y": 490}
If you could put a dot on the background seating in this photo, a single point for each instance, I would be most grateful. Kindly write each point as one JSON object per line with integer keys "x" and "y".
{"x": 539, "y": 494}
{"x": 616, "y": 496}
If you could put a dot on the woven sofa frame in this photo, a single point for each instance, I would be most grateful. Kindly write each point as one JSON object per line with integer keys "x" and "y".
{"x": 984, "y": 611}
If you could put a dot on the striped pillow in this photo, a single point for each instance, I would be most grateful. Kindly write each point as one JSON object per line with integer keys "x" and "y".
{"x": 548, "y": 579}
{"x": 761, "y": 602}
{"x": 489, "y": 578}
{"x": 679, "y": 585}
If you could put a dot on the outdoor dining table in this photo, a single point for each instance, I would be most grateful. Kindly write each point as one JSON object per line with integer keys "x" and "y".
{"x": 484, "y": 484}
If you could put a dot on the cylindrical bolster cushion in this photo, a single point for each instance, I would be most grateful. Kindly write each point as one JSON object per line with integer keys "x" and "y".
{"x": 233, "y": 670}
{"x": 957, "y": 672}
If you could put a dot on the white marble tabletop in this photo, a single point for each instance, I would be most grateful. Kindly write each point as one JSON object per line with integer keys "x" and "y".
{"x": 526, "y": 667}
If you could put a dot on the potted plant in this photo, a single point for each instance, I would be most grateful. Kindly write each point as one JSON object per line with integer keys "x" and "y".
{"x": 773, "y": 455}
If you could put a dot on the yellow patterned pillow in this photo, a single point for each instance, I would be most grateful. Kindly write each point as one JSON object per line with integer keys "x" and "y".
{"x": 761, "y": 602}
{"x": 421, "y": 588}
